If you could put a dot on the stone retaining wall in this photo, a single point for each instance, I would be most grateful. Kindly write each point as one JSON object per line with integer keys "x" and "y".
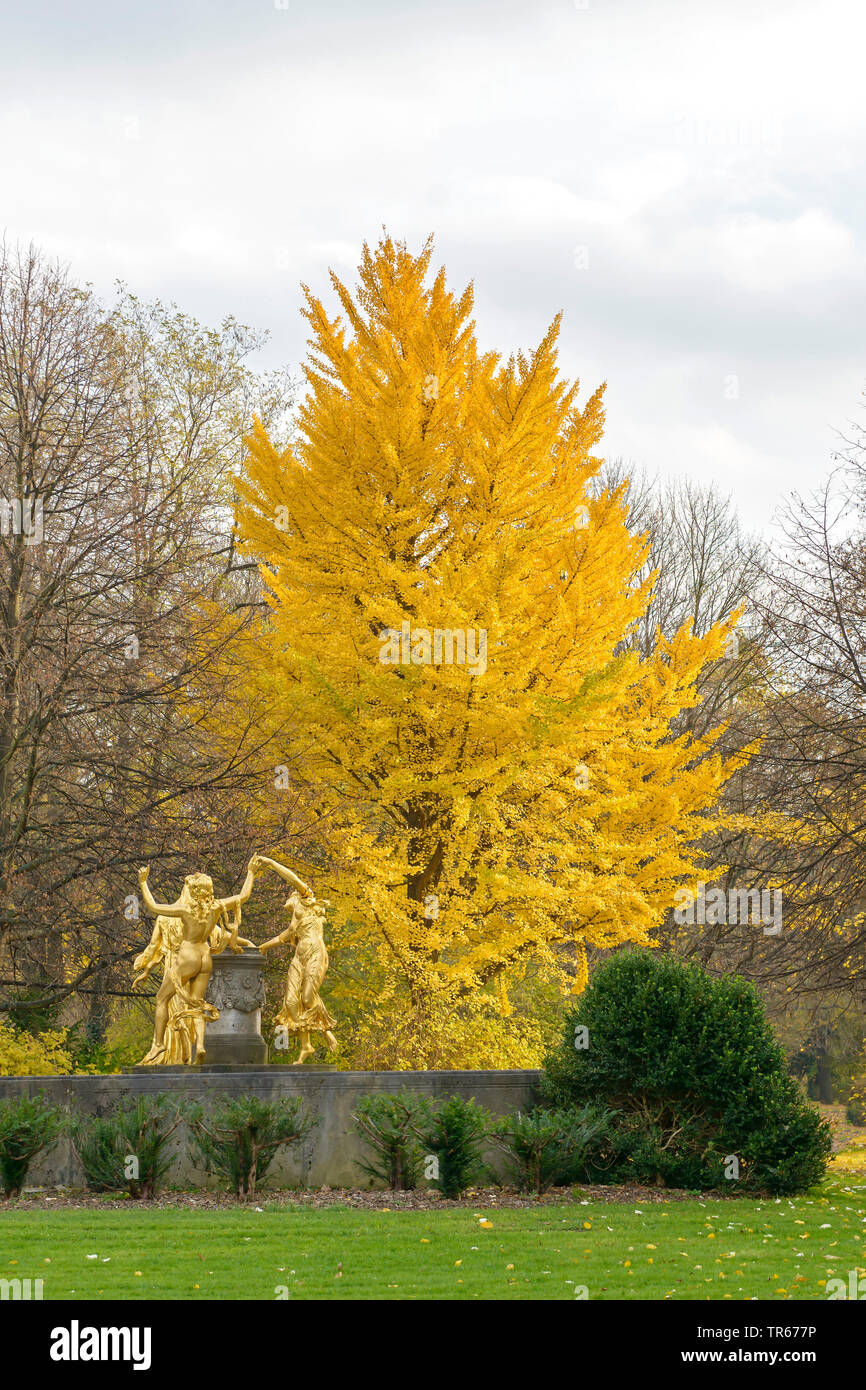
{"x": 328, "y": 1157}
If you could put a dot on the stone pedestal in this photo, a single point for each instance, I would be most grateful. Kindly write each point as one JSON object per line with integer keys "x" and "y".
{"x": 237, "y": 989}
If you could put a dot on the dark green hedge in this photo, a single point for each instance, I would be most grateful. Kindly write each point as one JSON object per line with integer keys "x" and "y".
{"x": 694, "y": 1076}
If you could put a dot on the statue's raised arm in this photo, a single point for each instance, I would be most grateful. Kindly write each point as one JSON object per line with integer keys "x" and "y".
{"x": 175, "y": 909}
{"x": 231, "y": 908}
{"x": 232, "y": 904}
{"x": 287, "y": 875}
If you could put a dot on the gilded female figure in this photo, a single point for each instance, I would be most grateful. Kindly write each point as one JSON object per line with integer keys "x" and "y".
{"x": 303, "y": 1011}
{"x": 186, "y": 935}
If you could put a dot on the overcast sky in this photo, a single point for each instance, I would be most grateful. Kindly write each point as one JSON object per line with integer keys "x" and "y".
{"x": 683, "y": 178}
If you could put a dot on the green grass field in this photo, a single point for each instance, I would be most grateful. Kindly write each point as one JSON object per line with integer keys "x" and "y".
{"x": 680, "y": 1250}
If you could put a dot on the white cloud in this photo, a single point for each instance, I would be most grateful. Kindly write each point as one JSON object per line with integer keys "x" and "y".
{"x": 769, "y": 255}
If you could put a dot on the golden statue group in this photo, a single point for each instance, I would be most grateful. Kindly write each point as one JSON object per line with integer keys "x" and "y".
{"x": 189, "y": 932}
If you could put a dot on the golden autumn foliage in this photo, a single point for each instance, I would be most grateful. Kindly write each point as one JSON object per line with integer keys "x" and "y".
{"x": 26, "y": 1054}
{"x": 532, "y": 795}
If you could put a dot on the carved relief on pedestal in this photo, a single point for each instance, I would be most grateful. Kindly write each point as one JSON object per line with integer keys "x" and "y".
{"x": 239, "y": 989}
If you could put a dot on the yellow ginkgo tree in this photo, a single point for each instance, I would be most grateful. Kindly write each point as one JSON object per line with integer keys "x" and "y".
{"x": 498, "y": 778}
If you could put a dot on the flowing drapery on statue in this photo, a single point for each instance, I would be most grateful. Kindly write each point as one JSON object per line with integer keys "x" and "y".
{"x": 186, "y": 935}
{"x": 303, "y": 1011}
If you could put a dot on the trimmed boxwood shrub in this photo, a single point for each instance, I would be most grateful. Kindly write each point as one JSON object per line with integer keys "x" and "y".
{"x": 695, "y": 1076}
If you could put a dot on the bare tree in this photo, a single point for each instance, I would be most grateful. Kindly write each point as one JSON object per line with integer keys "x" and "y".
{"x": 120, "y": 432}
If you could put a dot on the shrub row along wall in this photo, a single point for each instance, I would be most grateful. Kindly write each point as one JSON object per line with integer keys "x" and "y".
{"x": 329, "y": 1158}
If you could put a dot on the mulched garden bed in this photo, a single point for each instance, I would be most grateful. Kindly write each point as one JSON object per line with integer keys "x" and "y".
{"x": 54, "y": 1199}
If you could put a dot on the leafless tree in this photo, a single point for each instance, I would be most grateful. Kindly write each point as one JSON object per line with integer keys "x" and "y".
{"x": 120, "y": 431}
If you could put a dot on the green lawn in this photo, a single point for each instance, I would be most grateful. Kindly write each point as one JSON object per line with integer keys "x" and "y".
{"x": 682, "y": 1250}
